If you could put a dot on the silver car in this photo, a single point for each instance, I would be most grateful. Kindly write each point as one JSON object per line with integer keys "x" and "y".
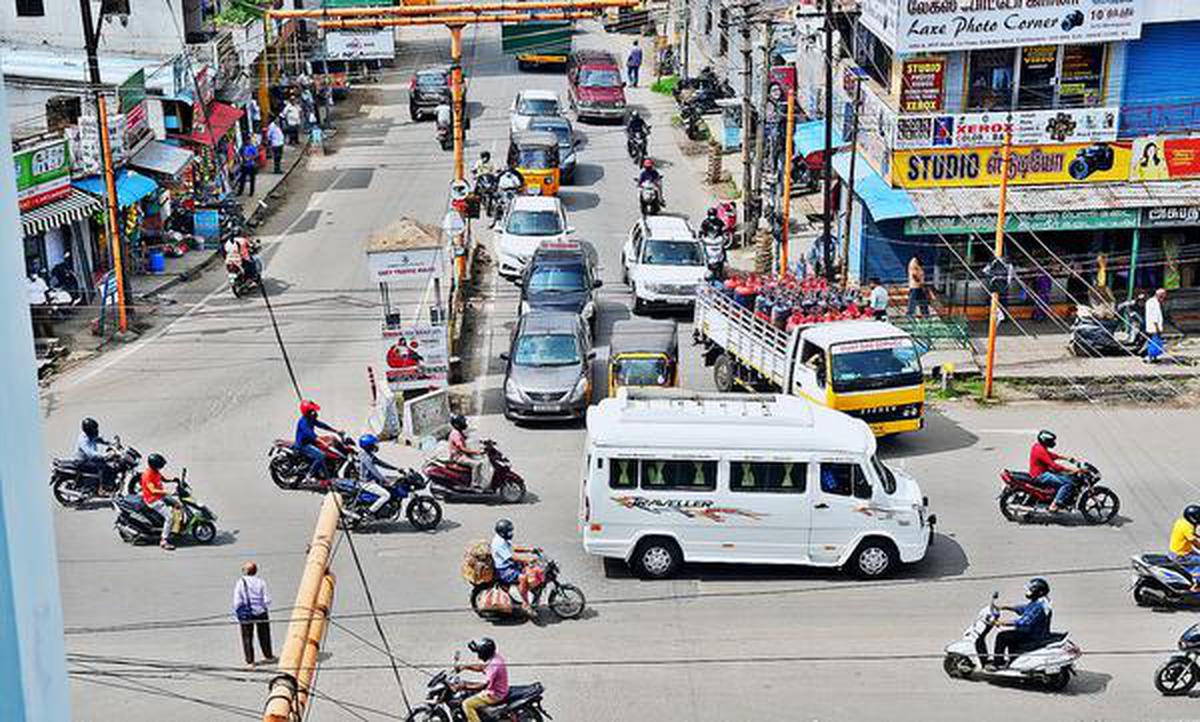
{"x": 548, "y": 367}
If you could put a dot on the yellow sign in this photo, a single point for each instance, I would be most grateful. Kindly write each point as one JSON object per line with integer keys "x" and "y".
{"x": 1030, "y": 165}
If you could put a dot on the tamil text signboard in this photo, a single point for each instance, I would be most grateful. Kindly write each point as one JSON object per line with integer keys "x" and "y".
{"x": 1069, "y": 164}
{"x": 1092, "y": 220}
{"x": 1029, "y": 127}
{"x": 1165, "y": 158}
{"x": 43, "y": 174}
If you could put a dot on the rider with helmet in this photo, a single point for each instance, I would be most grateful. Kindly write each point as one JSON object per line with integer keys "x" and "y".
{"x": 712, "y": 225}
{"x": 1045, "y": 469}
{"x": 650, "y": 173}
{"x": 637, "y": 125}
{"x": 465, "y": 455}
{"x": 1184, "y": 546}
{"x": 306, "y": 437}
{"x": 494, "y": 689}
{"x": 154, "y": 495}
{"x": 1029, "y": 630}
{"x": 370, "y": 477}
{"x": 88, "y": 453}
{"x": 510, "y": 561}
{"x": 483, "y": 166}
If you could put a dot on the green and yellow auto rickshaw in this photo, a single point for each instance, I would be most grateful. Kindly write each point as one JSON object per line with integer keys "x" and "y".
{"x": 643, "y": 353}
{"x": 535, "y": 155}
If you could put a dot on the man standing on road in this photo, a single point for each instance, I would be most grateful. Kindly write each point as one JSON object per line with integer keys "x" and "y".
{"x": 633, "y": 65}
{"x": 1154, "y": 325}
{"x": 276, "y": 140}
{"x": 917, "y": 295}
{"x": 251, "y": 606}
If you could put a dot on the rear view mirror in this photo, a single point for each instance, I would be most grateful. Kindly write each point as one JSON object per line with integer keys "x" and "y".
{"x": 503, "y": 355}
{"x": 570, "y": 230}
{"x": 591, "y": 355}
{"x": 597, "y": 283}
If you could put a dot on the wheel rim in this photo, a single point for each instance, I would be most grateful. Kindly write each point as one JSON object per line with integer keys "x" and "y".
{"x": 511, "y": 491}
{"x": 425, "y": 514}
{"x": 724, "y": 375}
{"x": 204, "y": 532}
{"x": 1177, "y": 677}
{"x": 873, "y": 561}
{"x": 657, "y": 560}
{"x": 1100, "y": 506}
{"x": 567, "y": 602}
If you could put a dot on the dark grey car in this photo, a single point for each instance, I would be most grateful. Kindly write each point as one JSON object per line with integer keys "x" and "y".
{"x": 548, "y": 367}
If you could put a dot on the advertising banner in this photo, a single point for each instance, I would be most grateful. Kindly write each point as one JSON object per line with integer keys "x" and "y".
{"x": 939, "y": 25}
{"x": 43, "y": 174}
{"x": 416, "y": 356}
{"x": 1030, "y": 165}
{"x": 413, "y": 267}
{"x": 1164, "y": 158}
{"x": 922, "y": 85}
{"x": 1093, "y": 220}
{"x": 131, "y": 97}
{"x": 1029, "y": 127}
{"x": 360, "y": 44}
{"x": 85, "y": 143}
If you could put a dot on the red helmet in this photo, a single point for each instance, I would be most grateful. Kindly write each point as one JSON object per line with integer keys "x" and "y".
{"x": 648, "y": 163}
{"x": 309, "y": 407}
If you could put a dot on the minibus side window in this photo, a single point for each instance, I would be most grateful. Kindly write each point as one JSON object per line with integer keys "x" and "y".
{"x": 776, "y": 477}
{"x": 844, "y": 480}
{"x": 622, "y": 473}
{"x": 677, "y": 475}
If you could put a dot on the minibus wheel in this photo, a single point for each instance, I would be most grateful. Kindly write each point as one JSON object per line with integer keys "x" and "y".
{"x": 874, "y": 559}
{"x": 657, "y": 558}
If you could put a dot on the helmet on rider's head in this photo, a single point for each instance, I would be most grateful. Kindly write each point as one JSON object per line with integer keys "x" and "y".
{"x": 634, "y": 115}
{"x": 483, "y": 647}
{"x": 91, "y": 427}
{"x": 368, "y": 442}
{"x": 1192, "y": 514}
{"x": 1047, "y": 439}
{"x": 485, "y": 156}
{"x": 648, "y": 163}
{"x": 1037, "y": 588}
{"x": 309, "y": 407}
{"x": 505, "y": 529}
{"x": 712, "y": 213}
{"x": 156, "y": 461}
{"x": 458, "y": 421}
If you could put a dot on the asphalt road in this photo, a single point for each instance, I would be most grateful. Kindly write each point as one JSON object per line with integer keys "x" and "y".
{"x": 150, "y": 634}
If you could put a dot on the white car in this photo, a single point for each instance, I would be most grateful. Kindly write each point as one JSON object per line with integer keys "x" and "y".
{"x": 663, "y": 262}
{"x": 533, "y": 103}
{"x": 530, "y": 221}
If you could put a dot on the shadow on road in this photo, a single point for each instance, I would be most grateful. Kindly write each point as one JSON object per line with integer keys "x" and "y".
{"x": 587, "y": 174}
{"x": 939, "y": 435}
{"x": 576, "y": 201}
{"x": 403, "y": 527}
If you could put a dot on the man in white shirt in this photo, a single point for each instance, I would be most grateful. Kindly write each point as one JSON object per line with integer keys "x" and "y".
{"x": 251, "y": 607}
{"x": 1154, "y": 324}
{"x": 878, "y": 300}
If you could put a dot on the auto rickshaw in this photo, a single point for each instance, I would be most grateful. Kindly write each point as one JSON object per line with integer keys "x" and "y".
{"x": 643, "y": 353}
{"x": 535, "y": 155}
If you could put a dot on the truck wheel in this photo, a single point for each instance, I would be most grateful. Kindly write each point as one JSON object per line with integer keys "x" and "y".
{"x": 724, "y": 373}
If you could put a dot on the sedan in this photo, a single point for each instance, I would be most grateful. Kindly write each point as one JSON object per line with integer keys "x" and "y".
{"x": 548, "y": 367}
{"x": 530, "y": 104}
{"x": 567, "y": 142}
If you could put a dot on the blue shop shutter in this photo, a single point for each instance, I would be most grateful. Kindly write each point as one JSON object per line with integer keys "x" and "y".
{"x": 1160, "y": 94}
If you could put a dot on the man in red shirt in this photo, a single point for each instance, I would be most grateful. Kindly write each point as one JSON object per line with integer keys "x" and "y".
{"x": 154, "y": 496}
{"x": 1045, "y": 468}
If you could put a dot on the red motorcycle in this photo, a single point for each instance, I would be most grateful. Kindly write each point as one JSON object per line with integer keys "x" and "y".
{"x": 450, "y": 479}
{"x": 1023, "y": 497}
{"x": 289, "y": 467}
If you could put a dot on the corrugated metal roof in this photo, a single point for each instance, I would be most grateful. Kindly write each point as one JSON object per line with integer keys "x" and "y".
{"x": 70, "y": 65}
{"x": 954, "y": 202}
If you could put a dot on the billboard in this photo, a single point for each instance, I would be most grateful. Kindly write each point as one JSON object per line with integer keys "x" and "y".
{"x": 1164, "y": 158}
{"x": 1069, "y": 164}
{"x": 985, "y": 130}
{"x": 922, "y": 83}
{"x": 416, "y": 356}
{"x": 43, "y": 174}
{"x": 360, "y": 44}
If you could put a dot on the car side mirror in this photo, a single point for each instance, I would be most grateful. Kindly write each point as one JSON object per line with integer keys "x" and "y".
{"x": 597, "y": 283}
{"x": 570, "y": 230}
{"x": 503, "y": 355}
{"x": 591, "y": 355}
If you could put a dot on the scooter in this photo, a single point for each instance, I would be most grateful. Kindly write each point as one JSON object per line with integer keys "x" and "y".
{"x": 73, "y": 486}
{"x": 242, "y": 281}
{"x": 1179, "y": 674}
{"x": 649, "y": 198}
{"x": 565, "y": 600}
{"x": 450, "y": 480}
{"x": 289, "y": 468}
{"x": 714, "y": 252}
{"x": 635, "y": 143}
{"x": 137, "y": 523}
{"x": 423, "y": 512}
{"x": 1050, "y": 665}
{"x": 1092, "y": 335}
{"x": 445, "y": 695}
{"x": 1159, "y": 581}
{"x": 1022, "y": 498}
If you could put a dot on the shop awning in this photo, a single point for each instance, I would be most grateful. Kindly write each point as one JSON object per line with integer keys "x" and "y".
{"x": 957, "y": 202}
{"x": 131, "y": 187}
{"x": 884, "y": 202}
{"x": 221, "y": 118}
{"x": 810, "y": 137}
{"x": 74, "y": 207}
{"x": 162, "y": 158}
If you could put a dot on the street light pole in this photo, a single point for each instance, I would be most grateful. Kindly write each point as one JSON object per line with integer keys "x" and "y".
{"x": 457, "y": 91}
{"x": 787, "y": 181}
{"x": 993, "y": 314}
{"x": 850, "y": 182}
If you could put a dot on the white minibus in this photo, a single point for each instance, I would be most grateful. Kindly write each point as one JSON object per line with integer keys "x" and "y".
{"x": 676, "y": 476}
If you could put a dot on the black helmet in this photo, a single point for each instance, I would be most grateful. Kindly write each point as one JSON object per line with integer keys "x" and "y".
{"x": 459, "y": 422}
{"x": 1047, "y": 439}
{"x": 91, "y": 427}
{"x": 485, "y": 155}
{"x": 1192, "y": 514}
{"x": 634, "y": 114}
{"x": 712, "y": 213}
{"x": 156, "y": 461}
{"x": 505, "y": 528}
{"x": 484, "y": 647}
{"x": 1037, "y": 588}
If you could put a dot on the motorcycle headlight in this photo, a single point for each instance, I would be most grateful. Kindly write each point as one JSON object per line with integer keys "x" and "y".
{"x": 581, "y": 388}
{"x": 512, "y": 391}
{"x": 589, "y": 308}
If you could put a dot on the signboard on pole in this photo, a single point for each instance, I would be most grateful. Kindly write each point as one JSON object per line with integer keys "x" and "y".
{"x": 986, "y": 130}
{"x": 405, "y": 268}
{"x": 43, "y": 174}
{"x": 85, "y": 143}
{"x": 360, "y": 44}
{"x": 417, "y": 356}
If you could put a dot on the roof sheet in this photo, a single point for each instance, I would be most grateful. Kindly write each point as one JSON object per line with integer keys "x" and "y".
{"x": 954, "y": 202}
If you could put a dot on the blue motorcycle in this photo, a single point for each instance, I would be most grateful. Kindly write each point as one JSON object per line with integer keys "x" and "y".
{"x": 423, "y": 511}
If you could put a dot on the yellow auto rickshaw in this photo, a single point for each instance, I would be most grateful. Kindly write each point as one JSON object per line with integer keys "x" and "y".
{"x": 643, "y": 353}
{"x": 535, "y": 155}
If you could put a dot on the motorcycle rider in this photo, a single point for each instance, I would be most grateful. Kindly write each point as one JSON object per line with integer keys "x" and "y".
{"x": 306, "y": 438}
{"x": 712, "y": 225}
{"x": 1045, "y": 469}
{"x": 494, "y": 689}
{"x": 510, "y": 561}
{"x": 1026, "y": 632}
{"x": 92, "y": 461}
{"x": 650, "y": 174}
{"x": 465, "y": 455}
{"x": 154, "y": 495}
{"x": 239, "y": 257}
{"x": 637, "y": 125}
{"x": 483, "y": 166}
{"x": 370, "y": 478}
{"x": 1184, "y": 544}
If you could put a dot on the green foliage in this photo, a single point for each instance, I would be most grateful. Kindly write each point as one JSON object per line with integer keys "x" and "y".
{"x": 240, "y": 12}
{"x": 665, "y": 85}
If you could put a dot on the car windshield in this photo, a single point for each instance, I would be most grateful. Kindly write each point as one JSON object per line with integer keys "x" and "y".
{"x": 535, "y": 158}
{"x": 886, "y": 477}
{"x": 538, "y": 106}
{"x": 546, "y": 349}
{"x": 876, "y": 364}
{"x": 534, "y": 223}
{"x": 431, "y": 80}
{"x": 599, "y": 78}
{"x": 642, "y": 372}
{"x": 556, "y": 278}
{"x": 672, "y": 253}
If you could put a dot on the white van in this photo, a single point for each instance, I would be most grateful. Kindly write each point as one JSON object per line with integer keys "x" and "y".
{"x": 675, "y": 475}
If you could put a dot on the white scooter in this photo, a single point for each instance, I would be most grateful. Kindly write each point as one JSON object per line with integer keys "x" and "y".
{"x": 1051, "y": 665}
{"x": 714, "y": 252}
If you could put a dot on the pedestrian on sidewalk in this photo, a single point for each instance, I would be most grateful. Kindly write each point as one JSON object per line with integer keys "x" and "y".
{"x": 1154, "y": 325}
{"x": 917, "y": 294}
{"x": 291, "y": 121}
{"x": 252, "y": 606}
{"x": 248, "y": 167}
{"x": 316, "y": 138}
{"x": 633, "y": 64}
{"x": 326, "y": 96}
{"x": 879, "y": 300}
{"x": 275, "y": 139}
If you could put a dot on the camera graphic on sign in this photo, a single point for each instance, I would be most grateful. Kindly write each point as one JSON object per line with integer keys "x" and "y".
{"x": 1072, "y": 21}
{"x": 1092, "y": 159}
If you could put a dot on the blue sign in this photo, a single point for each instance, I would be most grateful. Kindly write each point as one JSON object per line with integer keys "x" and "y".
{"x": 206, "y": 223}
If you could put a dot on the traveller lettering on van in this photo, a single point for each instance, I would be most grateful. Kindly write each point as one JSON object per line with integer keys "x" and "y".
{"x": 691, "y": 508}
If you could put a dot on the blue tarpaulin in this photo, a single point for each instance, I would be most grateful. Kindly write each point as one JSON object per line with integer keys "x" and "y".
{"x": 810, "y": 137}
{"x": 884, "y": 202}
{"x": 131, "y": 187}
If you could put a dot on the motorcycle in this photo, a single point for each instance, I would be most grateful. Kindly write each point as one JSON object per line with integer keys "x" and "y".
{"x": 635, "y": 144}
{"x": 1179, "y": 674}
{"x": 423, "y": 512}
{"x": 693, "y": 122}
{"x": 706, "y": 76}
{"x": 1160, "y": 581}
{"x": 650, "y": 198}
{"x": 486, "y": 188}
{"x": 703, "y": 99}
{"x": 448, "y": 479}
{"x": 565, "y": 600}
{"x": 1092, "y": 335}
{"x": 72, "y": 486}
{"x": 1022, "y": 497}
{"x": 289, "y": 467}
{"x": 1050, "y": 664}
{"x": 444, "y": 698}
{"x": 714, "y": 251}
{"x": 137, "y": 523}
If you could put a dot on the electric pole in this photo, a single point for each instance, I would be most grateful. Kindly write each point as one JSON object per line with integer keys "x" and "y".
{"x": 827, "y": 168}
{"x": 759, "y": 137}
{"x": 685, "y": 56}
{"x": 748, "y": 215}
{"x": 850, "y": 182}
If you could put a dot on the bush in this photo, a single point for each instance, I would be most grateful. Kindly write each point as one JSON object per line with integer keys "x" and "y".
{"x": 665, "y": 85}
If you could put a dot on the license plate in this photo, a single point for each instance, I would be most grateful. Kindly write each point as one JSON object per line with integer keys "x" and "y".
{"x": 545, "y": 408}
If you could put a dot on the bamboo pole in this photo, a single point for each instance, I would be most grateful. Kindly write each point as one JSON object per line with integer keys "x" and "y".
{"x": 451, "y": 20}
{"x": 999, "y": 251}
{"x": 312, "y": 647}
{"x": 438, "y": 9}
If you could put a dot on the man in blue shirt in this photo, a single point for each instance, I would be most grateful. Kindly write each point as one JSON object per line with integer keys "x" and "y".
{"x": 92, "y": 462}
{"x": 634, "y": 64}
{"x": 306, "y": 438}
{"x": 509, "y": 564}
{"x": 1030, "y": 629}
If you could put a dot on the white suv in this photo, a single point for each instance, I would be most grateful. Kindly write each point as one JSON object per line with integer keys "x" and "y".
{"x": 529, "y": 222}
{"x": 663, "y": 262}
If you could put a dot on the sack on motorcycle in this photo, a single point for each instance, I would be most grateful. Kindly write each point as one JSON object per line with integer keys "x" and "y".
{"x": 495, "y": 600}
{"x": 477, "y": 564}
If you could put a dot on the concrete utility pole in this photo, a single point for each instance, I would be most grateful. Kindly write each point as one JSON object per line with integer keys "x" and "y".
{"x": 827, "y": 169}
{"x": 759, "y": 137}
{"x": 850, "y": 190}
{"x": 787, "y": 180}
{"x": 1001, "y": 218}
{"x": 456, "y": 86}
{"x": 685, "y": 56}
{"x": 748, "y": 215}
{"x": 33, "y": 685}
